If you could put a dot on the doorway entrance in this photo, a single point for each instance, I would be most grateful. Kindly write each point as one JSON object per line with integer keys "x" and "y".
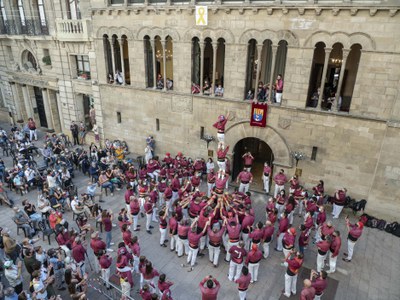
{"x": 261, "y": 152}
{"x": 40, "y": 107}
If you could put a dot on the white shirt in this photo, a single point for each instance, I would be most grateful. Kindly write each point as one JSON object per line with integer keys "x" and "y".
{"x": 12, "y": 276}
{"x": 51, "y": 181}
{"x": 29, "y": 174}
{"x": 210, "y": 165}
{"x": 38, "y": 286}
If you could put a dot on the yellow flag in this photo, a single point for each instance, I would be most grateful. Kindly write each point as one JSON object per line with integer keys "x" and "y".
{"x": 201, "y": 16}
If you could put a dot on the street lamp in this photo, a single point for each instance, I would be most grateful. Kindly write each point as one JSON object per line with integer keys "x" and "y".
{"x": 208, "y": 138}
{"x": 297, "y": 155}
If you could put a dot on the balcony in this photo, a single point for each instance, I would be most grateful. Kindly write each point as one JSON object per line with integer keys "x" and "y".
{"x": 73, "y": 30}
{"x": 31, "y": 27}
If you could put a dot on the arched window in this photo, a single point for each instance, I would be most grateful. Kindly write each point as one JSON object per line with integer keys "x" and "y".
{"x": 73, "y": 11}
{"x": 125, "y": 51}
{"x": 148, "y": 61}
{"x": 316, "y": 75}
{"x": 108, "y": 59}
{"x": 29, "y": 61}
{"x": 196, "y": 58}
{"x": 169, "y": 61}
{"x": 251, "y": 68}
{"x": 3, "y": 16}
{"x": 117, "y": 53}
{"x": 349, "y": 77}
{"x": 159, "y": 60}
{"x": 280, "y": 60}
{"x": 219, "y": 68}
{"x": 207, "y": 66}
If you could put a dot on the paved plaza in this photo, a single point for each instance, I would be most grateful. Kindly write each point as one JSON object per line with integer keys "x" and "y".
{"x": 372, "y": 274}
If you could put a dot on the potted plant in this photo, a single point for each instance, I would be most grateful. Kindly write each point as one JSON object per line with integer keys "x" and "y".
{"x": 47, "y": 60}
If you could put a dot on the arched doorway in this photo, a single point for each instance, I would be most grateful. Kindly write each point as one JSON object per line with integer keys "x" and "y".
{"x": 261, "y": 152}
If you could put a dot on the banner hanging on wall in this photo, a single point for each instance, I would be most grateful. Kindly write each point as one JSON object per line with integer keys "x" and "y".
{"x": 258, "y": 114}
{"x": 201, "y": 16}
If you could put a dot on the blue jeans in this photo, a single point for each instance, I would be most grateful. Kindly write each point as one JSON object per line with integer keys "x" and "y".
{"x": 108, "y": 239}
{"x": 108, "y": 185}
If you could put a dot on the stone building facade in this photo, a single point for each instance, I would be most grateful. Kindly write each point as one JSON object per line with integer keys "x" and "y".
{"x": 346, "y": 47}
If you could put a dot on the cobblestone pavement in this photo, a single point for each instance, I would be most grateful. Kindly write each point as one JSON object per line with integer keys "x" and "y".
{"x": 372, "y": 274}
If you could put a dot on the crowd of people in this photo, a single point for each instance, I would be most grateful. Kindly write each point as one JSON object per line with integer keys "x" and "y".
{"x": 168, "y": 193}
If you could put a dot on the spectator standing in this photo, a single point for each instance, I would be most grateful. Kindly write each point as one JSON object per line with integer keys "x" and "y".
{"x": 209, "y": 288}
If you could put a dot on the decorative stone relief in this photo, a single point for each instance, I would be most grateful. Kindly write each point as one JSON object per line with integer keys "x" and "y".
{"x": 284, "y": 123}
{"x": 182, "y": 103}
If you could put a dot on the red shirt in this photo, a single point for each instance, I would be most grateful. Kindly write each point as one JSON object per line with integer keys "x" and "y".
{"x": 105, "y": 261}
{"x": 146, "y": 295}
{"x": 280, "y": 179}
{"x": 256, "y": 235}
{"x": 220, "y": 125}
{"x": 243, "y": 282}
{"x": 173, "y": 226}
{"x": 135, "y": 207}
{"x": 221, "y": 154}
{"x": 319, "y": 285}
{"x": 294, "y": 264}
{"x": 211, "y": 178}
{"x": 107, "y": 224}
{"x": 248, "y": 160}
{"x": 323, "y": 247}
{"x": 135, "y": 249}
{"x": 162, "y": 286}
{"x": 268, "y": 233}
{"x": 254, "y": 256}
{"x": 326, "y": 230}
{"x": 148, "y": 207}
{"x": 307, "y": 293}
{"x": 209, "y": 294}
{"x": 248, "y": 221}
{"x": 78, "y": 253}
{"x": 283, "y": 225}
{"x": 267, "y": 170}
{"x": 245, "y": 177}
{"x": 237, "y": 254}
{"x": 128, "y": 194}
{"x": 183, "y": 230}
{"x": 127, "y": 237}
{"x": 288, "y": 240}
{"x": 194, "y": 239}
{"x": 303, "y": 238}
{"x": 234, "y": 232}
{"x": 335, "y": 246}
{"x": 355, "y": 232}
{"x": 97, "y": 245}
{"x": 215, "y": 237}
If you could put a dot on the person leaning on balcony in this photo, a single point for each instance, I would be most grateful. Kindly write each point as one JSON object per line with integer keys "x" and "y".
{"x": 278, "y": 89}
{"x": 219, "y": 91}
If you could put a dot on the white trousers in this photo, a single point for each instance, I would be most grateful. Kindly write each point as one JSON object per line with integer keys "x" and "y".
{"x": 266, "y": 183}
{"x": 210, "y": 186}
{"x": 350, "y": 249}
{"x": 148, "y": 221}
{"x": 244, "y": 187}
{"x": 213, "y": 254}
{"x": 163, "y": 235}
{"x": 105, "y": 274}
{"x": 182, "y": 245}
{"x": 279, "y": 245}
{"x": 290, "y": 284}
{"x": 280, "y": 208}
{"x": 126, "y": 288}
{"x": 234, "y": 270}
{"x": 32, "y": 133}
{"x": 332, "y": 262}
{"x": 320, "y": 262}
{"x": 221, "y": 165}
{"x": 278, "y": 188}
{"x": 192, "y": 256}
{"x": 221, "y": 137}
{"x": 246, "y": 240}
{"x": 285, "y": 252}
{"x": 278, "y": 97}
{"x": 135, "y": 221}
{"x": 230, "y": 245}
{"x": 336, "y": 211}
{"x": 173, "y": 242}
{"x": 242, "y": 295}
{"x": 253, "y": 270}
{"x": 266, "y": 249}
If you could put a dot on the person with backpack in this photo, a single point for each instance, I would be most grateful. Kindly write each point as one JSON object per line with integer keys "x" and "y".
{"x": 355, "y": 232}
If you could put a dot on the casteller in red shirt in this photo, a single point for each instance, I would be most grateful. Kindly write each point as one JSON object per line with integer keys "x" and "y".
{"x": 209, "y": 288}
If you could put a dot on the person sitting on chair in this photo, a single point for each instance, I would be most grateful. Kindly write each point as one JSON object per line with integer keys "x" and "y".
{"x": 79, "y": 208}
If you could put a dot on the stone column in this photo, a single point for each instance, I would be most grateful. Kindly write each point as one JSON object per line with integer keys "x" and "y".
{"x": 259, "y": 51}
{"x": 271, "y": 77}
{"x": 59, "y": 107}
{"x": 324, "y": 71}
{"x": 121, "y": 47}
{"x": 153, "y": 47}
{"x": 201, "y": 45}
{"x": 113, "y": 58}
{"x": 164, "y": 57}
{"x": 215, "y": 48}
{"x": 27, "y": 101}
{"x": 341, "y": 75}
{"x": 47, "y": 109}
{"x": 16, "y": 101}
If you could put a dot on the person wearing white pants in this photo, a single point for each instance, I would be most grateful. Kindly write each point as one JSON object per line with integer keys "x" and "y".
{"x": 238, "y": 254}
{"x": 334, "y": 251}
{"x": 163, "y": 227}
{"x": 220, "y": 125}
{"x": 105, "y": 263}
{"x": 194, "y": 240}
{"x": 210, "y": 182}
{"x": 339, "y": 201}
{"x": 323, "y": 248}
{"x": 293, "y": 264}
{"x": 245, "y": 178}
{"x": 243, "y": 283}
{"x": 148, "y": 207}
{"x": 282, "y": 228}
{"x": 319, "y": 282}
{"x": 265, "y": 177}
{"x": 253, "y": 261}
{"x": 267, "y": 237}
{"x": 214, "y": 243}
{"x": 278, "y": 89}
{"x": 173, "y": 232}
{"x": 355, "y": 232}
{"x": 183, "y": 244}
{"x": 280, "y": 179}
{"x": 288, "y": 241}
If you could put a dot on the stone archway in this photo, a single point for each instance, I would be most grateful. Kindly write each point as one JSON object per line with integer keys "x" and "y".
{"x": 240, "y": 130}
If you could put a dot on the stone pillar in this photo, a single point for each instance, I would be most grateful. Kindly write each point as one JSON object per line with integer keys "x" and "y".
{"x": 113, "y": 58}
{"x": 121, "y": 47}
{"x": 164, "y": 52}
{"x": 215, "y": 48}
{"x": 259, "y": 51}
{"x": 16, "y": 101}
{"x": 47, "y": 109}
{"x": 27, "y": 101}
{"x": 341, "y": 75}
{"x": 324, "y": 71}
{"x": 201, "y": 44}
{"x": 59, "y": 107}
{"x": 271, "y": 77}
{"x": 153, "y": 47}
